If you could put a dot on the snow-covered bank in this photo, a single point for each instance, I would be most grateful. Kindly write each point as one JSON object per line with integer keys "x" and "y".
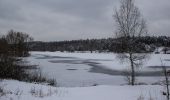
{"x": 25, "y": 91}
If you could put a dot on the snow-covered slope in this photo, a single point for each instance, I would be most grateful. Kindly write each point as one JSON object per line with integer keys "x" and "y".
{"x": 16, "y": 90}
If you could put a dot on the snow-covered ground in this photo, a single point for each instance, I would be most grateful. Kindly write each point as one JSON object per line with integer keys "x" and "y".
{"x": 16, "y": 90}
{"x": 74, "y": 69}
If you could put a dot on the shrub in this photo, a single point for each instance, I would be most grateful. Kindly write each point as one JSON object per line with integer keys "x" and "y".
{"x": 38, "y": 77}
{"x": 12, "y": 71}
{"x": 2, "y": 92}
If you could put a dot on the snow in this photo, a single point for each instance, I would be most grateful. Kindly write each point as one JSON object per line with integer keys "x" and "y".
{"x": 22, "y": 91}
{"x": 71, "y": 69}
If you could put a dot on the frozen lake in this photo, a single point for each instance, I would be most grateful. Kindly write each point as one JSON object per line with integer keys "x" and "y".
{"x": 87, "y": 69}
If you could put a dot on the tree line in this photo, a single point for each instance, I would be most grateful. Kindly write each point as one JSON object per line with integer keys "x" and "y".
{"x": 144, "y": 44}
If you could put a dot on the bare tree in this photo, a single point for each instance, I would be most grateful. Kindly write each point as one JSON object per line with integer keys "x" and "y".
{"x": 18, "y": 42}
{"x": 130, "y": 24}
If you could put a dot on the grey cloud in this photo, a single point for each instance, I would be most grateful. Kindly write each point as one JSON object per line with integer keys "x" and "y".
{"x": 75, "y": 19}
{"x": 157, "y": 14}
{"x": 8, "y": 10}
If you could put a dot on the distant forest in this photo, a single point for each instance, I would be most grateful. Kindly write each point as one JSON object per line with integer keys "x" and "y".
{"x": 146, "y": 44}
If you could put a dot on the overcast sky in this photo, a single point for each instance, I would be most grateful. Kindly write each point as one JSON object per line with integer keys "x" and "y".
{"x": 57, "y": 20}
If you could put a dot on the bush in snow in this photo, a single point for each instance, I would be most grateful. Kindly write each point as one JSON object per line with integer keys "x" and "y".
{"x": 9, "y": 63}
{"x": 141, "y": 97}
{"x": 11, "y": 66}
{"x": 38, "y": 77}
{"x": 40, "y": 92}
{"x": 1, "y": 91}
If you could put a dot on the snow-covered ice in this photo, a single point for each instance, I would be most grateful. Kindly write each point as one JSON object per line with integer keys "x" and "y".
{"x": 73, "y": 69}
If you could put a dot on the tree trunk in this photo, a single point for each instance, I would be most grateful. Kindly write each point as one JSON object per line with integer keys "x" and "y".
{"x": 167, "y": 86}
{"x": 132, "y": 70}
{"x": 166, "y": 82}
